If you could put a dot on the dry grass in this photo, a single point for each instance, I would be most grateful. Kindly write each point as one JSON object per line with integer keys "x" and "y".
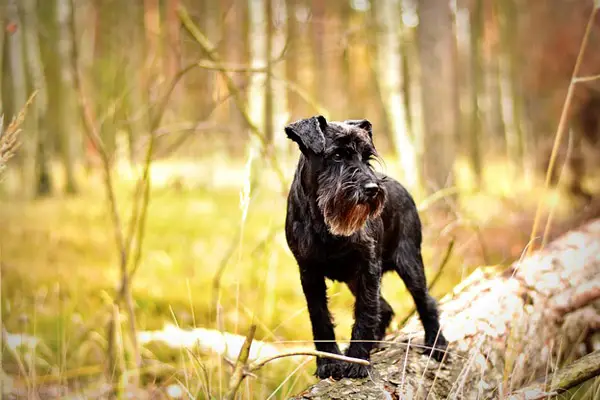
{"x": 9, "y": 137}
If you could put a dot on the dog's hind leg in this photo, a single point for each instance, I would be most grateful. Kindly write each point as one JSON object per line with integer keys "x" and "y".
{"x": 386, "y": 313}
{"x": 409, "y": 265}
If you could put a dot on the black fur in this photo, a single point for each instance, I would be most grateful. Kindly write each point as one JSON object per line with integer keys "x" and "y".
{"x": 341, "y": 226}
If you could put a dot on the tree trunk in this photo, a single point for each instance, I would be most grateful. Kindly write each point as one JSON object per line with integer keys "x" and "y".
{"x": 237, "y": 50}
{"x": 505, "y": 329}
{"x": 493, "y": 61}
{"x": 318, "y": 32}
{"x": 268, "y": 91}
{"x": 390, "y": 86}
{"x": 36, "y": 73}
{"x": 515, "y": 140}
{"x": 475, "y": 128}
{"x": 15, "y": 93}
{"x": 292, "y": 62}
{"x": 372, "y": 88}
{"x": 436, "y": 41}
{"x": 67, "y": 100}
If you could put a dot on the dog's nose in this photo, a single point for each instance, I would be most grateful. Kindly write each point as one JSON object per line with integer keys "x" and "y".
{"x": 371, "y": 189}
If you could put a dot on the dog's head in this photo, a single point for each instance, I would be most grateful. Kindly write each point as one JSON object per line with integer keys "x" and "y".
{"x": 340, "y": 156}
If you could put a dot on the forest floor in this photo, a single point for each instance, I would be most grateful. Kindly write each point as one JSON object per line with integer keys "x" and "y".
{"x": 60, "y": 270}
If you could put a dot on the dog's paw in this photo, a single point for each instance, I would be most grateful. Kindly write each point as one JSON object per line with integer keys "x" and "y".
{"x": 329, "y": 368}
{"x": 356, "y": 371}
{"x": 438, "y": 351}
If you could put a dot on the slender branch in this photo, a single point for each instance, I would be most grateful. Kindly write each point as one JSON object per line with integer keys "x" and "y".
{"x": 304, "y": 95}
{"x": 242, "y": 68}
{"x": 261, "y": 363}
{"x": 561, "y": 127}
{"x": 212, "y": 54}
{"x": 240, "y": 366}
{"x": 581, "y": 79}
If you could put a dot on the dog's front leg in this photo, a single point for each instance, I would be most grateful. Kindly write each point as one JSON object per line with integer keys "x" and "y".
{"x": 315, "y": 292}
{"x": 366, "y": 318}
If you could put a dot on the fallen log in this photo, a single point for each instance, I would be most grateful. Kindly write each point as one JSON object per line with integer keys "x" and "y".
{"x": 582, "y": 370}
{"x": 507, "y": 328}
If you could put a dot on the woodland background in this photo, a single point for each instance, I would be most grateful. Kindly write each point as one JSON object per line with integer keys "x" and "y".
{"x": 144, "y": 207}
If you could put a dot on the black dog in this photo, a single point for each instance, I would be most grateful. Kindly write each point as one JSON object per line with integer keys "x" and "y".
{"x": 348, "y": 223}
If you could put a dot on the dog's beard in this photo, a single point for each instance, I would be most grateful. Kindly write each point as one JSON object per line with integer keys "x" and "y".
{"x": 344, "y": 215}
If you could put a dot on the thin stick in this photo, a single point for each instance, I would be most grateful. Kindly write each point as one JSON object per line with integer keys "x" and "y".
{"x": 561, "y": 126}
{"x": 213, "y": 56}
{"x": 240, "y": 366}
{"x": 586, "y": 78}
{"x": 261, "y": 363}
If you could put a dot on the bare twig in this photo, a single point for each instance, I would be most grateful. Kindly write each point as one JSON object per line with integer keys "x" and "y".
{"x": 213, "y": 56}
{"x": 561, "y": 127}
{"x": 239, "y": 371}
{"x": 242, "y": 368}
{"x": 591, "y": 78}
{"x": 261, "y": 363}
{"x": 303, "y": 94}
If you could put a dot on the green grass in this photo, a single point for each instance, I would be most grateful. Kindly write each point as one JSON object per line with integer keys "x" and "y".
{"x": 60, "y": 269}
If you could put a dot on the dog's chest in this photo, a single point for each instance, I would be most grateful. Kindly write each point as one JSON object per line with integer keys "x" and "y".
{"x": 342, "y": 261}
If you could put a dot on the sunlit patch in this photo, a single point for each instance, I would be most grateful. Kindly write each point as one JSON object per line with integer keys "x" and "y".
{"x": 21, "y": 340}
{"x": 175, "y": 391}
{"x": 207, "y": 340}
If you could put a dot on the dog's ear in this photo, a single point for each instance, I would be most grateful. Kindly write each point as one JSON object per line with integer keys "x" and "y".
{"x": 362, "y": 124}
{"x": 309, "y": 133}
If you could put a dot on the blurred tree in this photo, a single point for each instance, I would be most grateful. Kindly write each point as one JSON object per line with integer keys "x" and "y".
{"x": 268, "y": 90}
{"x": 237, "y": 51}
{"x": 371, "y": 86}
{"x": 65, "y": 114}
{"x": 137, "y": 70}
{"x": 318, "y": 32}
{"x": 292, "y": 63}
{"x": 509, "y": 70}
{"x": 173, "y": 47}
{"x": 436, "y": 40}
{"x": 492, "y": 60}
{"x": 406, "y": 43}
{"x": 14, "y": 93}
{"x": 35, "y": 72}
{"x": 476, "y": 86}
{"x": 389, "y": 81}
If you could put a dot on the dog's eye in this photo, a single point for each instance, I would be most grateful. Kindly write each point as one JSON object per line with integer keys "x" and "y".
{"x": 338, "y": 155}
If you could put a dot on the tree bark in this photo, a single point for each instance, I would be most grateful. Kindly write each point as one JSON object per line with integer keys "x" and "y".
{"x": 475, "y": 128}
{"x": 14, "y": 93}
{"x": 436, "y": 42}
{"x": 506, "y": 329}
{"x": 268, "y": 110}
{"x": 35, "y": 70}
{"x": 390, "y": 86}
{"x": 67, "y": 101}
